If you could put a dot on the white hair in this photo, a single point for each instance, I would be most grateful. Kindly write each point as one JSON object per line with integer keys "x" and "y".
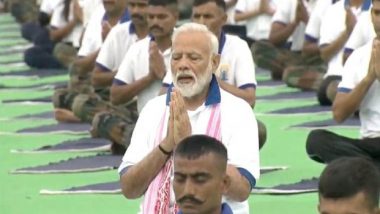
{"x": 195, "y": 27}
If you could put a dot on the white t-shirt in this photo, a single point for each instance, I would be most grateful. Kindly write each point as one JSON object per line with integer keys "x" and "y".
{"x": 355, "y": 69}
{"x": 92, "y": 37}
{"x": 258, "y": 27}
{"x": 47, "y": 6}
{"x": 313, "y": 27}
{"x": 333, "y": 24}
{"x": 135, "y": 65}
{"x": 58, "y": 21}
{"x": 116, "y": 46}
{"x": 286, "y": 13}
{"x": 89, "y": 8}
{"x": 362, "y": 33}
{"x": 236, "y": 65}
{"x": 238, "y": 133}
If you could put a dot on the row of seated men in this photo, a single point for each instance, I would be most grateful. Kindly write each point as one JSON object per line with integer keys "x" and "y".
{"x": 207, "y": 79}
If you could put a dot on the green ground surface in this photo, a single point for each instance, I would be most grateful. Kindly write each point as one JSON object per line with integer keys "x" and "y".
{"x": 19, "y": 193}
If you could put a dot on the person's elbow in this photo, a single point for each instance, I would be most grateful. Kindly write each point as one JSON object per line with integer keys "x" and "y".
{"x": 128, "y": 191}
{"x": 115, "y": 95}
{"x": 338, "y": 114}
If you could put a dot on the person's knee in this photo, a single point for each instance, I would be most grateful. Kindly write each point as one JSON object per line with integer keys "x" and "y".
{"x": 314, "y": 141}
{"x": 32, "y": 56}
{"x": 63, "y": 98}
{"x": 79, "y": 109}
{"x": 262, "y": 133}
{"x": 65, "y": 54}
{"x": 331, "y": 90}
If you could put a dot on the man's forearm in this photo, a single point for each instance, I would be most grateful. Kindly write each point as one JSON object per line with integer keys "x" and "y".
{"x": 86, "y": 64}
{"x": 137, "y": 179}
{"x": 242, "y": 16}
{"x": 346, "y": 104}
{"x": 330, "y": 50}
{"x": 280, "y": 34}
{"x": 240, "y": 187}
{"x": 121, "y": 94}
{"x": 102, "y": 79}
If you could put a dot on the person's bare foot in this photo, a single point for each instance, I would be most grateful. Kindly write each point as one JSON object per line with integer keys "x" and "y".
{"x": 63, "y": 115}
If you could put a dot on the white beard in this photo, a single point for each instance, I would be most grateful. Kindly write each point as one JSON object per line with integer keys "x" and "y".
{"x": 193, "y": 89}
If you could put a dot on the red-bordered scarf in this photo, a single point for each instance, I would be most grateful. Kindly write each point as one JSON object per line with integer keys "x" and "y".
{"x": 157, "y": 199}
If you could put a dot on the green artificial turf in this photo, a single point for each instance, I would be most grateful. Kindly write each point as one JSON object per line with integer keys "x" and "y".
{"x": 19, "y": 193}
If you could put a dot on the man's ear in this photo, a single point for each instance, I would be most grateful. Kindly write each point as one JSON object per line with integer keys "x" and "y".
{"x": 226, "y": 183}
{"x": 215, "y": 62}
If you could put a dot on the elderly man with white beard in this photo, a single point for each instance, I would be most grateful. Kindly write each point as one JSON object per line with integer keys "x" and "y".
{"x": 194, "y": 104}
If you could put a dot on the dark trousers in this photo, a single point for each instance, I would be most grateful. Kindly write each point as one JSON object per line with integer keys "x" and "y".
{"x": 324, "y": 146}
{"x": 41, "y": 54}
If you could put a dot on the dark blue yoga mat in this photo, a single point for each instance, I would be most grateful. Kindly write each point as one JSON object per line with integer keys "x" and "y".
{"x": 114, "y": 187}
{"x": 36, "y": 72}
{"x": 76, "y": 165}
{"x": 43, "y": 115}
{"x": 350, "y": 122}
{"x": 303, "y": 186}
{"x": 289, "y": 96}
{"x": 78, "y": 145}
{"x": 44, "y": 86}
{"x": 35, "y": 100}
{"x": 316, "y": 108}
{"x": 269, "y": 83}
{"x": 58, "y": 128}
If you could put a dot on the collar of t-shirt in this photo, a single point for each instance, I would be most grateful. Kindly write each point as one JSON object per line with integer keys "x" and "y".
{"x": 222, "y": 42}
{"x": 225, "y": 209}
{"x": 365, "y": 5}
{"x": 124, "y": 18}
{"x": 213, "y": 96}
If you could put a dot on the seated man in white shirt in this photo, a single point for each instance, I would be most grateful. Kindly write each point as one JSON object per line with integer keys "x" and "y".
{"x": 200, "y": 180}
{"x": 362, "y": 33}
{"x": 359, "y": 89}
{"x": 285, "y": 38}
{"x": 309, "y": 77}
{"x": 349, "y": 185}
{"x": 196, "y": 105}
{"x": 337, "y": 25}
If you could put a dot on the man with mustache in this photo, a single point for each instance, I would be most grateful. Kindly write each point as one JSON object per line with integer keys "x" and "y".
{"x": 145, "y": 64}
{"x": 194, "y": 104}
{"x": 200, "y": 179}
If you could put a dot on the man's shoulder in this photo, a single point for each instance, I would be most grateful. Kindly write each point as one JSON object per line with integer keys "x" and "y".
{"x": 229, "y": 100}
{"x": 233, "y": 45}
{"x": 140, "y": 47}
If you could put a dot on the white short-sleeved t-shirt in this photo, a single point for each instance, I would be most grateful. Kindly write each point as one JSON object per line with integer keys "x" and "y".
{"x": 362, "y": 33}
{"x": 115, "y": 46}
{"x": 92, "y": 37}
{"x": 238, "y": 133}
{"x": 236, "y": 65}
{"x": 258, "y": 27}
{"x": 286, "y": 13}
{"x": 135, "y": 65}
{"x": 89, "y": 8}
{"x": 355, "y": 70}
{"x": 333, "y": 24}
{"x": 47, "y": 6}
{"x": 58, "y": 21}
{"x": 313, "y": 27}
